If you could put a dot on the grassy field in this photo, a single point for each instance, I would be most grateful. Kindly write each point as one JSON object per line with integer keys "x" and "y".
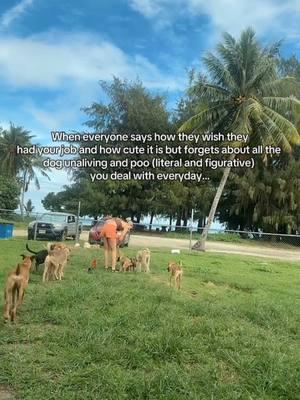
{"x": 231, "y": 333}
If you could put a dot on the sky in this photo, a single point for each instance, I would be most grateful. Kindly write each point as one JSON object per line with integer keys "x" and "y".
{"x": 54, "y": 53}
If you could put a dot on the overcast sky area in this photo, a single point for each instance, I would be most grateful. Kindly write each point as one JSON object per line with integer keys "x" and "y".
{"x": 54, "y": 53}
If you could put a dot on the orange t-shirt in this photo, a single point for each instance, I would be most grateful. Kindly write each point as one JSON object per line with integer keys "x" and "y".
{"x": 109, "y": 229}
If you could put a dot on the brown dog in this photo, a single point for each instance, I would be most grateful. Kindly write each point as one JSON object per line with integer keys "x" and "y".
{"x": 15, "y": 287}
{"x": 55, "y": 263}
{"x": 176, "y": 272}
{"x": 128, "y": 264}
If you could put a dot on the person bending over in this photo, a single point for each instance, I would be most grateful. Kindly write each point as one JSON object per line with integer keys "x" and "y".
{"x": 113, "y": 232}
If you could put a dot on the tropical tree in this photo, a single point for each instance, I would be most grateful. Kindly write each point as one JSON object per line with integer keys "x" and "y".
{"x": 129, "y": 108}
{"x": 11, "y": 162}
{"x": 243, "y": 94}
{"x": 23, "y": 167}
{"x": 29, "y": 207}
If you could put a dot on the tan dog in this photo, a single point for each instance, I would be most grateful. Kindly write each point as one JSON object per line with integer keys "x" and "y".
{"x": 143, "y": 258}
{"x": 55, "y": 263}
{"x": 176, "y": 272}
{"x": 15, "y": 287}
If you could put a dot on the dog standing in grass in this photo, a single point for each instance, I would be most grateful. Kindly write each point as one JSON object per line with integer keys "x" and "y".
{"x": 143, "y": 258}
{"x": 39, "y": 256}
{"x": 15, "y": 287}
{"x": 55, "y": 263}
{"x": 176, "y": 273}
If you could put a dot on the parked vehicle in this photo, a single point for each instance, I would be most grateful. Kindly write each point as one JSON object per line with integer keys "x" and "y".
{"x": 94, "y": 239}
{"x": 54, "y": 226}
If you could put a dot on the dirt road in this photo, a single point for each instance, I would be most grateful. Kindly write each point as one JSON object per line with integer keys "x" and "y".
{"x": 219, "y": 247}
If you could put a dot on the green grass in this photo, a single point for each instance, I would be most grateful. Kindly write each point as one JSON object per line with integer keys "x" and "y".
{"x": 231, "y": 333}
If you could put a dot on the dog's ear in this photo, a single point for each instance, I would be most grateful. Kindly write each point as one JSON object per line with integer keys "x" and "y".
{"x": 32, "y": 258}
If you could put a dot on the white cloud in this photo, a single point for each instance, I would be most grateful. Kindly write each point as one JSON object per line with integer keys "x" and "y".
{"x": 13, "y": 13}
{"x": 49, "y": 61}
{"x": 70, "y": 66}
{"x": 269, "y": 16}
{"x": 149, "y": 8}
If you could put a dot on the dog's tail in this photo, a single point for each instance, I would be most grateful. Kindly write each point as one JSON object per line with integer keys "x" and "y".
{"x": 30, "y": 251}
{"x": 180, "y": 263}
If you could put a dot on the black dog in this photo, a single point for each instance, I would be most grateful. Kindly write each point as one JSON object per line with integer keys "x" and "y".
{"x": 39, "y": 256}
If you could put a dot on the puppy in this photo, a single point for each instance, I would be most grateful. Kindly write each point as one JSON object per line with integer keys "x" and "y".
{"x": 128, "y": 264}
{"x": 143, "y": 260}
{"x": 15, "y": 287}
{"x": 39, "y": 256}
{"x": 176, "y": 272}
{"x": 55, "y": 263}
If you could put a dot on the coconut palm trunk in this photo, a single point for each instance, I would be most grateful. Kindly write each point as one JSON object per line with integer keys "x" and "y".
{"x": 200, "y": 244}
{"x": 23, "y": 190}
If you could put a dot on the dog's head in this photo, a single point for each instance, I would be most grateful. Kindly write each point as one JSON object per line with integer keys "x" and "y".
{"x": 27, "y": 260}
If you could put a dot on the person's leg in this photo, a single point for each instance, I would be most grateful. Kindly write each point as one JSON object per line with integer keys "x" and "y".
{"x": 106, "y": 252}
{"x": 113, "y": 248}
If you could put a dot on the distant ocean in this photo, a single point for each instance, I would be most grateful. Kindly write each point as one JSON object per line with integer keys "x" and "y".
{"x": 161, "y": 221}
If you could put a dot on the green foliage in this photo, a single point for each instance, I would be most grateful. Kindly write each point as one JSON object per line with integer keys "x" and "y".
{"x": 290, "y": 67}
{"x": 267, "y": 197}
{"x": 9, "y": 193}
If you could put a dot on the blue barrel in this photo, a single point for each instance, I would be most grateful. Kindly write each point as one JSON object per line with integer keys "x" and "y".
{"x": 6, "y": 230}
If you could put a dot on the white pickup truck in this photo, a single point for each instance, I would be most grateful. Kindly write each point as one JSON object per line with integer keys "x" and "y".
{"x": 54, "y": 226}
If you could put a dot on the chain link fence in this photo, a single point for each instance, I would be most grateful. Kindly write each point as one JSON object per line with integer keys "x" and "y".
{"x": 189, "y": 232}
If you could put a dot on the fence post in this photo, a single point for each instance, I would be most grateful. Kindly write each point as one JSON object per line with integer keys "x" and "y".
{"x": 77, "y": 222}
{"x": 191, "y": 229}
{"x": 35, "y": 227}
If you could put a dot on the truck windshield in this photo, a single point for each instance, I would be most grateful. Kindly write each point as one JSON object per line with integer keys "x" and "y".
{"x": 53, "y": 218}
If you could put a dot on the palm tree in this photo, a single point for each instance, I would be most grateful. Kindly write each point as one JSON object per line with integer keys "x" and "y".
{"x": 29, "y": 207}
{"x": 243, "y": 94}
{"x": 21, "y": 166}
{"x": 11, "y": 162}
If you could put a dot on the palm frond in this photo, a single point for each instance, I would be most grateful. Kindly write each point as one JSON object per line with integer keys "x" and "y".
{"x": 206, "y": 117}
{"x": 218, "y": 72}
{"x": 282, "y": 104}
